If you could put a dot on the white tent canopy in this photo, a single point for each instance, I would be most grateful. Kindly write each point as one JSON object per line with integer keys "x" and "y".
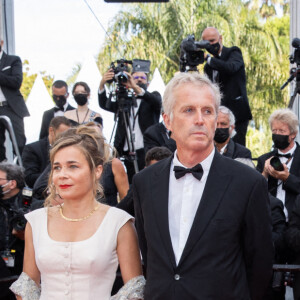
{"x": 38, "y": 101}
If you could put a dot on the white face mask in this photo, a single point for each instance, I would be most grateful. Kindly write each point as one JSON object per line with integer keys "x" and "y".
{"x": 4, "y": 192}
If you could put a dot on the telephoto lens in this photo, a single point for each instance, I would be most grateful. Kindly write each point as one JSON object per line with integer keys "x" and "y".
{"x": 276, "y": 163}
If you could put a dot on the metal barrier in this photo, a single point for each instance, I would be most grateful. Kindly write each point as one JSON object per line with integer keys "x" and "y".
{"x": 7, "y": 122}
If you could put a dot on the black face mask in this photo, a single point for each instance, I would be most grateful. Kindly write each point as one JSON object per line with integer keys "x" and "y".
{"x": 221, "y": 135}
{"x": 142, "y": 85}
{"x": 1, "y": 190}
{"x": 281, "y": 141}
{"x": 214, "y": 49}
{"x": 60, "y": 101}
{"x": 81, "y": 99}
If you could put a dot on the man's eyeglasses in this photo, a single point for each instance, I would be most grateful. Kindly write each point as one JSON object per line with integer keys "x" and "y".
{"x": 138, "y": 77}
{"x": 60, "y": 97}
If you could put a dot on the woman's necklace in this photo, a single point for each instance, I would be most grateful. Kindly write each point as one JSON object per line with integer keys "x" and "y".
{"x": 80, "y": 219}
{"x": 84, "y": 116}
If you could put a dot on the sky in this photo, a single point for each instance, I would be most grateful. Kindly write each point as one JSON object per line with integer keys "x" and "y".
{"x": 55, "y": 35}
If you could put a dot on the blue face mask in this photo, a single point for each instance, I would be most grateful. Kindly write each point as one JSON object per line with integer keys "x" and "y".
{"x": 1, "y": 189}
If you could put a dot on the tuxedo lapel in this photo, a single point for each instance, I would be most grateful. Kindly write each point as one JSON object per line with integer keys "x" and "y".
{"x": 217, "y": 182}
{"x": 296, "y": 161}
{"x": 160, "y": 196}
{"x": 2, "y": 61}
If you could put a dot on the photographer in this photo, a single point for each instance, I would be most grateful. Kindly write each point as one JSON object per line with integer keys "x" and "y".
{"x": 145, "y": 114}
{"x": 11, "y": 236}
{"x": 283, "y": 184}
{"x": 226, "y": 67}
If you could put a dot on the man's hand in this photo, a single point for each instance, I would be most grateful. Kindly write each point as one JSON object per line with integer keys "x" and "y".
{"x": 109, "y": 75}
{"x": 19, "y": 234}
{"x": 132, "y": 84}
{"x": 270, "y": 171}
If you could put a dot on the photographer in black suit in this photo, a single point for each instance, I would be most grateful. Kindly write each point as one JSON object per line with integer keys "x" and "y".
{"x": 141, "y": 117}
{"x": 226, "y": 67}
{"x": 284, "y": 185}
{"x": 11, "y": 239}
{"x": 12, "y": 103}
{"x": 60, "y": 96}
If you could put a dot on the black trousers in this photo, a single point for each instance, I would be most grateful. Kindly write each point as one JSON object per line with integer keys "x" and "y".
{"x": 18, "y": 127}
{"x": 241, "y": 131}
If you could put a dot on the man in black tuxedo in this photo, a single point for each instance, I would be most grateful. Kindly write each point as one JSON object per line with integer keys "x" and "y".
{"x": 204, "y": 229}
{"x": 12, "y": 103}
{"x": 284, "y": 185}
{"x": 226, "y": 67}
{"x": 60, "y": 95}
{"x": 223, "y": 141}
{"x": 35, "y": 156}
{"x": 141, "y": 117}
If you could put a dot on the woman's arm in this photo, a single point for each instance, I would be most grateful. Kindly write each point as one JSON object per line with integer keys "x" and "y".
{"x": 128, "y": 252}
{"x": 120, "y": 177}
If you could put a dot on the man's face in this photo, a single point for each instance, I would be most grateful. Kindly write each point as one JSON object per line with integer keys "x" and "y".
{"x": 53, "y": 134}
{"x": 6, "y": 185}
{"x": 223, "y": 122}
{"x": 194, "y": 118}
{"x": 139, "y": 78}
{"x": 212, "y": 35}
{"x": 281, "y": 128}
{"x": 59, "y": 92}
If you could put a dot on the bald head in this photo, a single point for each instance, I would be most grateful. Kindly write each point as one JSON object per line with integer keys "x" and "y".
{"x": 212, "y": 35}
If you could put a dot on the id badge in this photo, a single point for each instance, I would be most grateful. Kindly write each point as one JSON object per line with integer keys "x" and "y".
{"x": 8, "y": 258}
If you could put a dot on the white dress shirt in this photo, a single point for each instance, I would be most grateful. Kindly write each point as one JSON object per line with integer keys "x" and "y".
{"x": 61, "y": 113}
{"x": 184, "y": 198}
{"x": 280, "y": 191}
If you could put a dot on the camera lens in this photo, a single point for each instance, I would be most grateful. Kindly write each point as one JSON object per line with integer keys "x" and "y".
{"x": 276, "y": 163}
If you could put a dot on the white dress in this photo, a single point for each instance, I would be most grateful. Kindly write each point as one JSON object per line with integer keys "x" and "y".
{"x": 83, "y": 270}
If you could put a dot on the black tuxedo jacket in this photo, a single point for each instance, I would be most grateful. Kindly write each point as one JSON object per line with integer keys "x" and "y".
{"x": 232, "y": 81}
{"x": 47, "y": 117}
{"x": 11, "y": 77}
{"x": 229, "y": 251}
{"x": 291, "y": 185}
{"x": 157, "y": 136}
{"x": 35, "y": 158}
{"x": 235, "y": 150}
{"x": 148, "y": 113}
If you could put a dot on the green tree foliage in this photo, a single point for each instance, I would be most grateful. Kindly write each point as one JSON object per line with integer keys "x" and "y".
{"x": 155, "y": 31}
{"x": 29, "y": 79}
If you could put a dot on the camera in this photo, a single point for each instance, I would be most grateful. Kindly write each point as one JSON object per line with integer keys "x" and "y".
{"x": 295, "y": 57}
{"x": 191, "y": 54}
{"x": 18, "y": 221}
{"x": 276, "y": 163}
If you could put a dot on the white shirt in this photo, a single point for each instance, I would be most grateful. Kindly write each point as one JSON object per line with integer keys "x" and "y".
{"x": 60, "y": 113}
{"x": 2, "y": 97}
{"x": 184, "y": 198}
{"x": 280, "y": 191}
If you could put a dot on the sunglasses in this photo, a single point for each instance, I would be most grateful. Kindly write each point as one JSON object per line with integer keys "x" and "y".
{"x": 138, "y": 77}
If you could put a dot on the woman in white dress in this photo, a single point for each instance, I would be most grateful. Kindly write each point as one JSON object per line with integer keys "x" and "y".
{"x": 72, "y": 250}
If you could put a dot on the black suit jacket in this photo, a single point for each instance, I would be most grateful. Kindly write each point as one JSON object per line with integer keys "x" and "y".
{"x": 291, "y": 185}
{"x": 232, "y": 81}
{"x": 148, "y": 113}
{"x": 47, "y": 117}
{"x": 35, "y": 158}
{"x": 229, "y": 251}
{"x": 235, "y": 150}
{"x": 11, "y": 77}
{"x": 157, "y": 136}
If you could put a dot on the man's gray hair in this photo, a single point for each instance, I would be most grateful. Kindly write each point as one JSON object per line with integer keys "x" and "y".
{"x": 286, "y": 116}
{"x": 226, "y": 111}
{"x": 13, "y": 172}
{"x": 195, "y": 79}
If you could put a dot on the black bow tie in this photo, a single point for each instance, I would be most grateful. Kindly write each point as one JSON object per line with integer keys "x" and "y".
{"x": 197, "y": 171}
{"x": 56, "y": 109}
{"x": 288, "y": 155}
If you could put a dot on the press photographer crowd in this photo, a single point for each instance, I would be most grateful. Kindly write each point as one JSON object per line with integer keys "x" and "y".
{"x": 176, "y": 209}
